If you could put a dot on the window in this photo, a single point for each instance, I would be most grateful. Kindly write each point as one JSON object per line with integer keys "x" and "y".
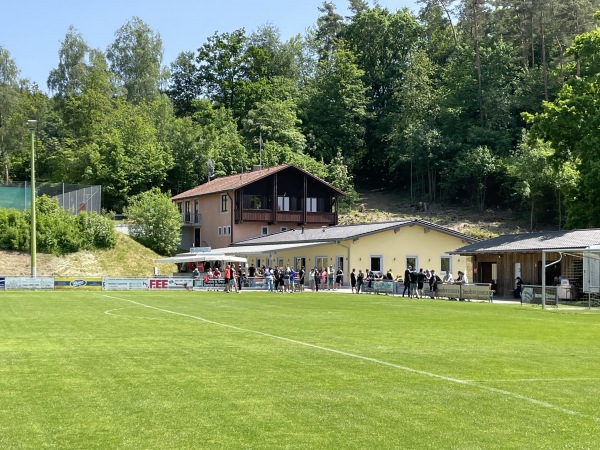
{"x": 180, "y": 207}
{"x": 264, "y": 231}
{"x": 188, "y": 216}
{"x": 224, "y": 203}
{"x": 220, "y": 231}
{"x": 445, "y": 264}
{"x": 283, "y": 203}
{"x": 311, "y": 204}
{"x": 253, "y": 201}
{"x": 299, "y": 263}
{"x": 224, "y": 231}
{"x": 283, "y": 229}
{"x": 321, "y": 262}
{"x": 412, "y": 261}
{"x": 376, "y": 263}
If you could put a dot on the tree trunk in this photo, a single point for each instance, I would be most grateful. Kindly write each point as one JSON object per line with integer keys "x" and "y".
{"x": 544, "y": 62}
{"x": 478, "y": 61}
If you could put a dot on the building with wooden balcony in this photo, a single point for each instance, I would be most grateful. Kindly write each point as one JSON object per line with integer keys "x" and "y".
{"x": 253, "y": 204}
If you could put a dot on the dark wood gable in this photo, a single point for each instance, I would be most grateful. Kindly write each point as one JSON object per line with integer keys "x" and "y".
{"x": 287, "y": 196}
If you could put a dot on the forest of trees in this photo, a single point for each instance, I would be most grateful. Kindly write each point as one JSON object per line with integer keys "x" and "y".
{"x": 480, "y": 103}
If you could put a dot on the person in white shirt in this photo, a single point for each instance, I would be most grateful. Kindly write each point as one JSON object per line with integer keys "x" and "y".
{"x": 448, "y": 278}
{"x": 462, "y": 278}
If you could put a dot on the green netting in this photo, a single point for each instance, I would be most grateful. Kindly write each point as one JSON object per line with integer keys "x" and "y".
{"x": 15, "y": 197}
{"x": 72, "y": 197}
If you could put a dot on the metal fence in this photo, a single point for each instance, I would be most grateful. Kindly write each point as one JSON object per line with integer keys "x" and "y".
{"x": 72, "y": 197}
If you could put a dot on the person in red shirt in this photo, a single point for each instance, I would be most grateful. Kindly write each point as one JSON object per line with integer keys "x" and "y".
{"x": 227, "y": 278}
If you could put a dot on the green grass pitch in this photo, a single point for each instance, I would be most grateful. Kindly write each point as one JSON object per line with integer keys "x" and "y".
{"x": 187, "y": 370}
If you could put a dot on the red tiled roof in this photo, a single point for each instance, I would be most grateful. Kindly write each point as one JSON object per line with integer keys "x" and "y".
{"x": 240, "y": 180}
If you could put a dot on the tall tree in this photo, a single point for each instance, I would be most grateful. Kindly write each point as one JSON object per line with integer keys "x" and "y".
{"x": 571, "y": 122}
{"x": 183, "y": 87}
{"x": 136, "y": 60}
{"x": 67, "y": 78}
{"x": 9, "y": 96}
{"x": 382, "y": 42}
{"x": 222, "y": 64}
{"x": 335, "y": 110}
{"x": 330, "y": 29}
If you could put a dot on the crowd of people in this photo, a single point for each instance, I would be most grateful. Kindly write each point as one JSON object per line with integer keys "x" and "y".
{"x": 415, "y": 281}
{"x": 287, "y": 280}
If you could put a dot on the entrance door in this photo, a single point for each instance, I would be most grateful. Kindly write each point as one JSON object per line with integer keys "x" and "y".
{"x": 197, "y": 240}
{"x": 487, "y": 272}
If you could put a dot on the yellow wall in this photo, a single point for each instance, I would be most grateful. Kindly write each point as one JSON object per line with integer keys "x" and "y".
{"x": 429, "y": 246}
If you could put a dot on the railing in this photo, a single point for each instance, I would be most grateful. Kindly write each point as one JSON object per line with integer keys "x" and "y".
{"x": 320, "y": 217}
{"x": 267, "y": 215}
{"x": 191, "y": 218}
{"x": 258, "y": 215}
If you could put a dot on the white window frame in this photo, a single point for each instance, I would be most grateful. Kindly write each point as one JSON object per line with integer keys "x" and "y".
{"x": 283, "y": 203}
{"x": 220, "y": 231}
{"x": 449, "y": 258}
{"x": 380, "y": 257}
{"x": 416, "y": 264}
{"x": 264, "y": 231}
{"x": 311, "y": 204}
{"x": 321, "y": 259}
{"x": 283, "y": 229}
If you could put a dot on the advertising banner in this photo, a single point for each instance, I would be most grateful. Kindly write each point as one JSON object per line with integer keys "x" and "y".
{"x": 79, "y": 283}
{"x": 212, "y": 283}
{"x": 2, "y": 283}
{"x": 448, "y": 291}
{"x": 383, "y": 287}
{"x": 125, "y": 284}
{"x": 29, "y": 283}
{"x": 171, "y": 283}
{"x": 533, "y": 295}
{"x": 476, "y": 292}
{"x": 257, "y": 283}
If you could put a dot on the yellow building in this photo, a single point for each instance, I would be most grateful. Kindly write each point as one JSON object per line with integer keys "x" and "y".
{"x": 377, "y": 247}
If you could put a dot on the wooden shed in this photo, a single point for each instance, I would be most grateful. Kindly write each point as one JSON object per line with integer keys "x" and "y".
{"x": 500, "y": 260}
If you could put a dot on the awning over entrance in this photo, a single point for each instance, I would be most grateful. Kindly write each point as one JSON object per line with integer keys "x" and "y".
{"x": 265, "y": 248}
{"x": 201, "y": 257}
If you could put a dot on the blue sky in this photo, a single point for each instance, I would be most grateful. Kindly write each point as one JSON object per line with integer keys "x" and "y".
{"x": 32, "y": 31}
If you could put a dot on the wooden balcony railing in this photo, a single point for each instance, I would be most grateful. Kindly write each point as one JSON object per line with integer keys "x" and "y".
{"x": 264, "y": 215}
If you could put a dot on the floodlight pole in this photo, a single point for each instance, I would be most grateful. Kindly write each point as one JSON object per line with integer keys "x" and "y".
{"x": 32, "y": 125}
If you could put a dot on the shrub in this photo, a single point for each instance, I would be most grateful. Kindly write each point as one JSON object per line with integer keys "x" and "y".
{"x": 97, "y": 231}
{"x": 155, "y": 221}
{"x": 57, "y": 231}
{"x": 15, "y": 230}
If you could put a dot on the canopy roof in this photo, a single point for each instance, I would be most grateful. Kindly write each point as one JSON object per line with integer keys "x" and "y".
{"x": 264, "y": 248}
{"x": 201, "y": 257}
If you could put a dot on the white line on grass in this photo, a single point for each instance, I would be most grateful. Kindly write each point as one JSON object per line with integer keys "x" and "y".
{"x": 374, "y": 360}
{"x": 109, "y": 312}
{"x": 536, "y": 380}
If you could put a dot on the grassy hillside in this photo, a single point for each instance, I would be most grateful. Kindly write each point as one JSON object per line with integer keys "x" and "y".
{"x": 128, "y": 258}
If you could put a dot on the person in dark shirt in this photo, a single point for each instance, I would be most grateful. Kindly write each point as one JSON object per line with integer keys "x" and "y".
{"x": 359, "y": 281}
{"x": 421, "y": 277}
{"x": 414, "y": 280}
{"x": 407, "y": 281}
